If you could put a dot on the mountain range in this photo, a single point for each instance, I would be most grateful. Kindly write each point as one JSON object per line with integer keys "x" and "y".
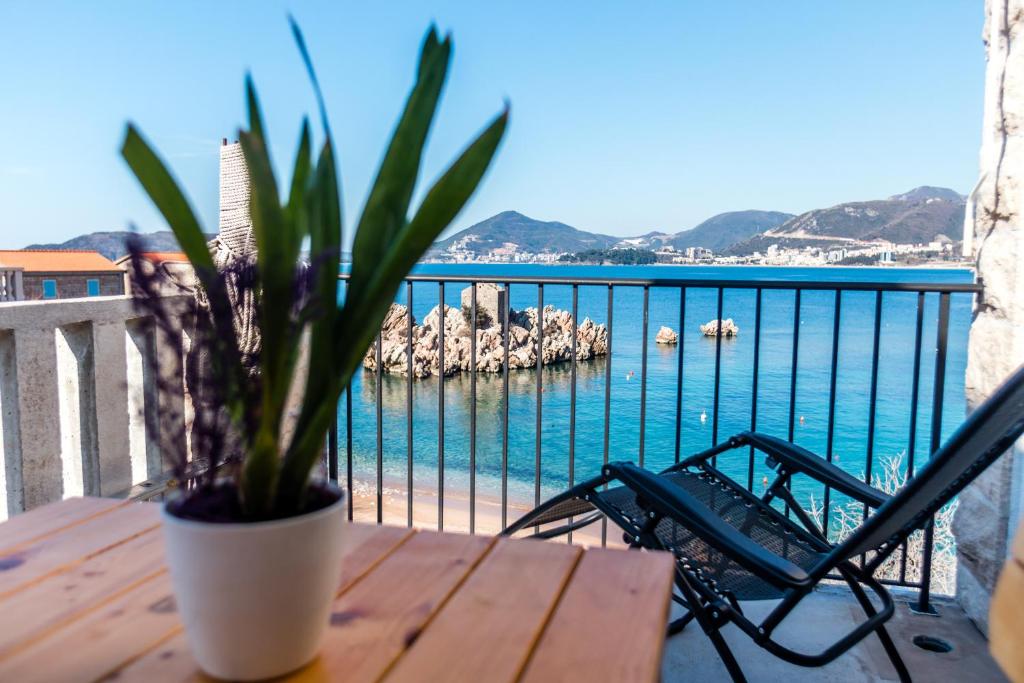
{"x": 112, "y": 244}
{"x": 529, "y": 234}
{"x": 919, "y": 216}
{"x": 722, "y": 231}
{"x": 914, "y": 217}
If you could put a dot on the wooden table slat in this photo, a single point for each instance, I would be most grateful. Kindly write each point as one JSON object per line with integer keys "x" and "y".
{"x": 1005, "y": 618}
{"x": 73, "y": 545}
{"x": 610, "y": 624}
{"x": 86, "y": 587}
{"x": 171, "y": 660}
{"x": 488, "y": 629}
{"x": 366, "y": 547}
{"x": 42, "y": 521}
{"x": 84, "y": 595}
{"x": 102, "y": 640}
{"x": 375, "y": 621}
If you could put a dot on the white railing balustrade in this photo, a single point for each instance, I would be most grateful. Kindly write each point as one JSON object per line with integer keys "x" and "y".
{"x": 12, "y": 287}
{"x": 78, "y": 380}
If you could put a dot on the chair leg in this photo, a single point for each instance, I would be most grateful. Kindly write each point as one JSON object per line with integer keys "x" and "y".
{"x": 731, "y": 665}
{"x": 894, "y": 654}
{"x": 676, "y": 626}
{"x": 699, "y": 611}
{"x": 883, "y": 634}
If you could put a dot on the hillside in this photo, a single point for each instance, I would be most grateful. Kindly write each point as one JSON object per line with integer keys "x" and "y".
{"x": 527, "y": 233}
{"x": 650, "y": 240}
{"x": 914, "y": 217}
{"x": 722, "y": 231}
{"x": 112, "y": 244}
{"x": 926, "y": 192}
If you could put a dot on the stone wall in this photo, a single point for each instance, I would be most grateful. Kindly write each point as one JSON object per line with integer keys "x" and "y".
{"x": 235, "y": 231}
{"x": 994, "y": 233}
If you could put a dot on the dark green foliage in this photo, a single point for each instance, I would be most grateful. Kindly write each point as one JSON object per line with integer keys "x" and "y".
{"x": 275, "y": 475}
{"x": 483, "y": 319}
{"x": 618, "y": 257}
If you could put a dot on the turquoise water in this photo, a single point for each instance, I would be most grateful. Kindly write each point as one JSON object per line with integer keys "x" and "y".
{"x": 895, "y": 370}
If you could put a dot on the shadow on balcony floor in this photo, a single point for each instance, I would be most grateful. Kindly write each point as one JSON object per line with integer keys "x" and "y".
{"x": 819, "y": 621}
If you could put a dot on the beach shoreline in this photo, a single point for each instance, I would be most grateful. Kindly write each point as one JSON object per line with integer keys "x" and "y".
{"x": 456, "y": 518}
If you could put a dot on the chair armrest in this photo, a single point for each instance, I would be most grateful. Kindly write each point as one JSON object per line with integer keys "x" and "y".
{"x": 675, "y": 503}
{"x": 797, "y": 459}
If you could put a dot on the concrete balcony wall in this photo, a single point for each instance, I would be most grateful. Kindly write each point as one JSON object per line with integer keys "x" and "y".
{"x": 79, "y": 391}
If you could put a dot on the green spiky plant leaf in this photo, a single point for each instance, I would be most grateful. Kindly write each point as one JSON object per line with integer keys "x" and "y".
{"x": 275, "y": 475}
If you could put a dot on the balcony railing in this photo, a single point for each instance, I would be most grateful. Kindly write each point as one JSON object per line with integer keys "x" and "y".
{"x": 855, "y": 371}
{"x": 12, "y": 286}
{"x": 78, "y": 379}
{"x": 878, "y": 365}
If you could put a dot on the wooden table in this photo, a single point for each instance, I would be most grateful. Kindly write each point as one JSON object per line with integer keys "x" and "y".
{"x": 1006, "y": 614}
{"x": 85, "y": 595}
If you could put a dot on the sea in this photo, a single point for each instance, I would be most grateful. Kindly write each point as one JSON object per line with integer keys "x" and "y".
{"x": 889, "y": 439}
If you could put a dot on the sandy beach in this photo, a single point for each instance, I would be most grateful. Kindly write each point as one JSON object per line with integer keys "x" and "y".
{"x": 456, "y": 511}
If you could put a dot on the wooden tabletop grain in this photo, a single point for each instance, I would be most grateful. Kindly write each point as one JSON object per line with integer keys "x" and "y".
{"x": 1006, "y": 618}
{"x": 85, "y": 596}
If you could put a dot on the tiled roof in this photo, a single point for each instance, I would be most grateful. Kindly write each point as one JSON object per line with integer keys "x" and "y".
{"x": 157, "y": 257}
{"x": 57, "y": 261}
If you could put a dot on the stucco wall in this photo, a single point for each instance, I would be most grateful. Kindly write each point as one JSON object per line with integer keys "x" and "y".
{"x": 990, "y": 508}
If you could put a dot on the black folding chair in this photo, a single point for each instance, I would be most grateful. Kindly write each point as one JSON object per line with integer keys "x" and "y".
{"x": 731, "y": 545}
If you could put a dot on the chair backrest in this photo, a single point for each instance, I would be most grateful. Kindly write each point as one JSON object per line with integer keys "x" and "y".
{"x": 988, "y": 433}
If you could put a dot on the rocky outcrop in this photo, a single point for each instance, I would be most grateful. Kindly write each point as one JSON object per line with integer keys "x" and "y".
{"x": 729, "y": 328}
{"x": 666, "y": 335}
{"x": 591, "y": 341}
{"x": 490, "y": 302}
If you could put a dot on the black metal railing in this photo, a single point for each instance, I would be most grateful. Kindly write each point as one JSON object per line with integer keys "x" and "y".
{"x": 766, "y": 347}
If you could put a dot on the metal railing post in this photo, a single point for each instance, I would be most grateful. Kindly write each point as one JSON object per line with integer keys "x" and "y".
{"x": 924, "y": 605}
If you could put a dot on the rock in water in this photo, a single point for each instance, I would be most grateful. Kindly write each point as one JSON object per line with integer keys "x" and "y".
{"x": 729, "y": 328}
{"x": 591, "y": 341}
{"x": 666, "y": 336}
{"x": 490, "y": 302}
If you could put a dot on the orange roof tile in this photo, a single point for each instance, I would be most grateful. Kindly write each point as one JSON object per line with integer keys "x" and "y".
{"x": 57, "y": 261}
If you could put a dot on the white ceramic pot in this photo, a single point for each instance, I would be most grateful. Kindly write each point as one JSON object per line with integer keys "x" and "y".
{"x": 255, "y": 599}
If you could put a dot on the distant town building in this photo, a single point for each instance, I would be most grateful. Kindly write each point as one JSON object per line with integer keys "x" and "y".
{"x": 835, "y": 255}
{"x": 172, "y": 269}
{"x": 60, "y": 274}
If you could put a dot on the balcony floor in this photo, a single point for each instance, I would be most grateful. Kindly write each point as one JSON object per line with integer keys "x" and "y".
{"x": 826, "y": 615}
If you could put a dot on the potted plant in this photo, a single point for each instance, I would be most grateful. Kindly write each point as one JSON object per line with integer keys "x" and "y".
{"x": 254, "y": 544}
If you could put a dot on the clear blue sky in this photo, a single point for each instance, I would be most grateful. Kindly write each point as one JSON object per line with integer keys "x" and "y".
{"x": 626, "y": 117}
